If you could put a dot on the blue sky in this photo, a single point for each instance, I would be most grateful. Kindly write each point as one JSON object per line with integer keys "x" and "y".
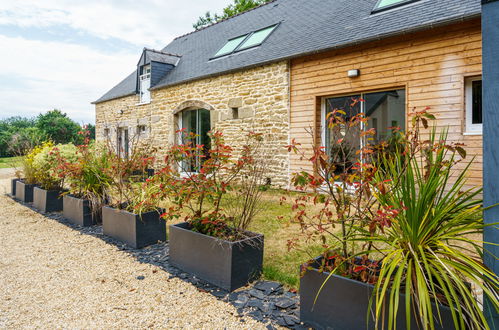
{"x": 65, "y": 54}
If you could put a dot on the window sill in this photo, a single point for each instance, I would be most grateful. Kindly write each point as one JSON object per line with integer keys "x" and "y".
{"x": 472, "y": 133}
{"x": 142, "y": 103}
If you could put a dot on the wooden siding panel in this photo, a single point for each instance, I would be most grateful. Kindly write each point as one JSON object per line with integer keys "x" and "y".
{"x": 430, "y": 65}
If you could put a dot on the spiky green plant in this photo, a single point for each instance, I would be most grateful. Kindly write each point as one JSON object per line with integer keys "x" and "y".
{"x": 429, "y": 250}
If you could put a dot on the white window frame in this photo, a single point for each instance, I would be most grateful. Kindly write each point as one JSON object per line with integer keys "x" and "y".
{"x": 470, "y": 128}
{"x": 145, "y": 95}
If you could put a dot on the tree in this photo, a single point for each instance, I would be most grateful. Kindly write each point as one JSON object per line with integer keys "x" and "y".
{"x": 233, "y": 9}
{"x": 58, "y": 127}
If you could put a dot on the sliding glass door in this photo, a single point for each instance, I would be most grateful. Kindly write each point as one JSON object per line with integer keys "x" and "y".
{"x": 384, "y": 110}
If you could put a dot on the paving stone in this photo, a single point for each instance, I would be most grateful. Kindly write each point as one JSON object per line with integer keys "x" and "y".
{"x": 291, "y": 320}
{"x": 268, "y": 286}
{"x": 233, "y": 296}
{"x": 284, "y": 303}
{"x": 255, "y": 303}
{"x": 256, "y": 315}
{"x": 256, "y": 293}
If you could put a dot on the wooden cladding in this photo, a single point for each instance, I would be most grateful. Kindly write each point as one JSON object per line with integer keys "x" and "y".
{"x": 430, "y": 65}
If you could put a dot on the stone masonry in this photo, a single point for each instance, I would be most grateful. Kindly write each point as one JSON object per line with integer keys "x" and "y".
{"x": 258, "y": 97}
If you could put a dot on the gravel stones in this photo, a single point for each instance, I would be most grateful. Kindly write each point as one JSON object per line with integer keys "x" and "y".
{"x": 127, "y": 279}
{"x": 55, "y": 275}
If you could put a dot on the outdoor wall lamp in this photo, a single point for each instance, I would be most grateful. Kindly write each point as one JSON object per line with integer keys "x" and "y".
{"x": 353, "y": 73}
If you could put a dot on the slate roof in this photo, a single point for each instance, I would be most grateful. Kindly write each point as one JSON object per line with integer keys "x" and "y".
{"x": 306, "y": 27}
{"x": 161, "y": 56}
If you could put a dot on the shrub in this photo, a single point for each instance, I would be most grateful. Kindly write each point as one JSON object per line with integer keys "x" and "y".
{"x": 404, "y": 218}
{"x": 28, "y": 169}
{"x": 86, "y": 175}
{"x": 46, "y": 161}
{"x": 198, "y": 197}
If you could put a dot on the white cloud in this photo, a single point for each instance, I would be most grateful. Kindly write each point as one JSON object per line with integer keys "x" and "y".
{"x": 151, "y": 23}
{"x": 36, "y": 76}
{"x": 47, "y": 75}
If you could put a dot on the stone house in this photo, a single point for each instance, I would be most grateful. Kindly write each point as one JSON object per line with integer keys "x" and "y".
{"x": 279, "y": 68}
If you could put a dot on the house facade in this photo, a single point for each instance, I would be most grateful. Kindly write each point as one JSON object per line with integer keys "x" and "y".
{"x": 278, "y": 69}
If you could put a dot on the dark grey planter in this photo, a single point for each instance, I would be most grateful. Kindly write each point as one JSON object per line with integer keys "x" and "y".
{"x": 78, "y": 211}
{"x": 13, "y": 186}
{"x": 135, "y": 230}
{"x": 343, "y": 304}
{"x": 24, "y": 191}
{"x": 228, "y": 265}
{"x": 47, "y": 200}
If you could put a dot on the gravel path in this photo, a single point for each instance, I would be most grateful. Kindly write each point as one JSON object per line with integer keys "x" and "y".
{"x": 52, "y": 276}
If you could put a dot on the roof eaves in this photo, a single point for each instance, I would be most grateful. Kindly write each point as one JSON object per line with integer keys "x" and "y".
{"x": 103, "y": 99}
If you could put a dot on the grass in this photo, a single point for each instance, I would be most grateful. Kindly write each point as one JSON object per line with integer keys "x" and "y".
{"x": 7, "y": 162}
{"x": 274, "y": 222}
{"x": 279, "y": 264}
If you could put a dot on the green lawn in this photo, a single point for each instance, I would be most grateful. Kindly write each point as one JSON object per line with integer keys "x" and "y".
{"x": 6, "y": 162}
{"x": 279, "y": 264}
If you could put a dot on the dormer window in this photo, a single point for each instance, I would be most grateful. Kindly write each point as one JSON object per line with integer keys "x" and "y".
{"x": 145, "y": 84}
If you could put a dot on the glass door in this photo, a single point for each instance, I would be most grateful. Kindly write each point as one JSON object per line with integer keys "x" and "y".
{"x": 196, "y": 122}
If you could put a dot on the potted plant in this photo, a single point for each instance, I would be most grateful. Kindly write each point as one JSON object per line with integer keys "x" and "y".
{"x": 88, "y": 183}
{"x": 128, "y": 218}
{"x": 13, "y": 184}
{"x": 213, "y": 241}
{"x": 47, "y": 195}
{"x": 27, "y": 179}
{"x": 395, "y": 227}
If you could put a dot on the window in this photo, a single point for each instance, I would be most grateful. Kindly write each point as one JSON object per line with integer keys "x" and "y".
{"x": 144, "y": 85}
{"x": 122, "y": 142}
{"x": 473, "y": 100}
{"x": 385, "y": 111}
{"x": 246, "y": 41}
{"x": 198, "y": 122}
{"x": 230, "y": 46}
{"x": 257, "y": 38}
{"x": 106, "y": 133}
{"x": 235, "y": 113}
{"x": 141, "y": 130}
{"x": 388, "y": 4}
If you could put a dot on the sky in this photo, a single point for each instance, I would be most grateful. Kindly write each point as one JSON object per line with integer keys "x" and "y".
{"x": 64, "y": 54}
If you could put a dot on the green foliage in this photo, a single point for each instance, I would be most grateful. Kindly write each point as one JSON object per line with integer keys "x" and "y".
{"x": 18, "y": 135}
{"x": 233, "y": 9}
{"x": 58, "y": 127}
{"x": 45, "y": 164}
{"x": 429, "y": 251}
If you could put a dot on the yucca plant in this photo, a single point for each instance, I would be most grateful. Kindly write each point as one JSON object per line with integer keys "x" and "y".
{"x": 427, "y": 240}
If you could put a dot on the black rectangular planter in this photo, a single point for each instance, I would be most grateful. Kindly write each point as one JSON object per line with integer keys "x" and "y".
{"x": 24, "y": 191}
{"x": 47, "y": 200}
{"x": 78, "y": 211}
{"x": 228, "y": 265}
{"x": 135, "y": 230}
{"x": 13, "y": 186}
{"x": 343, "y": 304}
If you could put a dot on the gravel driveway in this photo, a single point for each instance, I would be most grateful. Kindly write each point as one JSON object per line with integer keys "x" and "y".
{"x": 52, "y": 276}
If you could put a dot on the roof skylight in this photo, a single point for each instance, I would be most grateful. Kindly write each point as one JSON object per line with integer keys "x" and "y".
{"x": 230, "y": 46}
{"x": 246, "y": 41}
{"x": 257, "y": 38}
{"x": 388, "y": 4}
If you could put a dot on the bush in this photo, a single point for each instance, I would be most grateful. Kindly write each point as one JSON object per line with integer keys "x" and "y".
{"x": 46, "y": 161}
{"x": 198, "y": 197}
{"x": 404, "y": 219}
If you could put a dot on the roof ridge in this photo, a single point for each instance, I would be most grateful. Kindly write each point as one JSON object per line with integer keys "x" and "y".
{"x": 225, "y": 19}
{"x": 161, "y": 52}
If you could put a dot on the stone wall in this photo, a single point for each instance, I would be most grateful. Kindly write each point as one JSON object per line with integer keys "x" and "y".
{"x": 260, "y": 96}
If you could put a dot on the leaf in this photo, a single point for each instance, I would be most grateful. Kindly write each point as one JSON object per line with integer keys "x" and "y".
{"x": 461, "y": 152}
{"x": 425, "y": 122}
